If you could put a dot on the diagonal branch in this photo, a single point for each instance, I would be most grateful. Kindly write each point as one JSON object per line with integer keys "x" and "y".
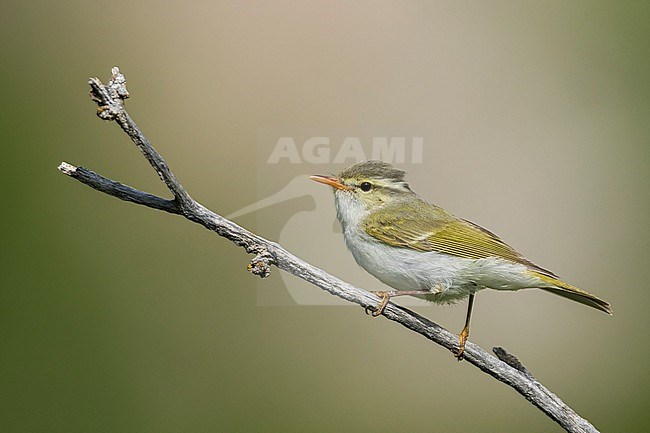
{"x": 507, "y": 369}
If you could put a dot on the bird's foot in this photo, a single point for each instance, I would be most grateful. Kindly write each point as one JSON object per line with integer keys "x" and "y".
{"x": 462, "y": 337}
{"x": 385, "y": 296}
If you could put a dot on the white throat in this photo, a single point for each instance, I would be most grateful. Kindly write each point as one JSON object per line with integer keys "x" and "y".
{"x": 349, "y": 211}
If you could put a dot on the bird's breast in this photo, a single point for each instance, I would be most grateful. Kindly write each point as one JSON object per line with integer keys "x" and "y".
{"x": 451, "y": 277}
{"x": 403, "y": 268}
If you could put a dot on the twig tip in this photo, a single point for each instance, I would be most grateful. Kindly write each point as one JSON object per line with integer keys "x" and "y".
{"x": 66, "y": 168}
{"x": 110, "y": 97}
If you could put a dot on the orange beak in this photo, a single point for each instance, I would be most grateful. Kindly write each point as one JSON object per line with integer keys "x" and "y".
{"x": 331, "y": 181}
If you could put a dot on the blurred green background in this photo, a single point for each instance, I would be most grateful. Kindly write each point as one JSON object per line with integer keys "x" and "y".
{"x": 118, "y": 318}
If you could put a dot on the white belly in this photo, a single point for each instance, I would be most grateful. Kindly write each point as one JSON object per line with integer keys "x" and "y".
{"x": 449, "y": 278}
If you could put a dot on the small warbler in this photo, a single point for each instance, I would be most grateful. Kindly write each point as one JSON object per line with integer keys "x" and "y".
{"x": 420, "y": 249}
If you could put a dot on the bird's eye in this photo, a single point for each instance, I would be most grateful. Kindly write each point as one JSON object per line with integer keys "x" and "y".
{"x": 365, "y": 186}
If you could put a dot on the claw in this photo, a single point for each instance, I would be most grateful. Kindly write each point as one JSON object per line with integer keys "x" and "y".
{"x": 462, "y": 337}
{"x": 385, "y": 296}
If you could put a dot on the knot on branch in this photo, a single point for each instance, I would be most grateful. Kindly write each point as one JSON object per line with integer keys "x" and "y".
{"x": 261, "y": 264}
{"x": 512, "y": 361}
{"x": 109, "y": 98}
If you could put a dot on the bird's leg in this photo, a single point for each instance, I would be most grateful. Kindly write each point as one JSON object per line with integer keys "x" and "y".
{"x": 385, "y": 296}
{"x": 462, "y": 337}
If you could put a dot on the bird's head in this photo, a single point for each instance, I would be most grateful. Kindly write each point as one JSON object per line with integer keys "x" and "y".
{"x": 368, "y": 183}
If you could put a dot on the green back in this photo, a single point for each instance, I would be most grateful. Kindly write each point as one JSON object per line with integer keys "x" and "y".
{"x": 422, "y": 226}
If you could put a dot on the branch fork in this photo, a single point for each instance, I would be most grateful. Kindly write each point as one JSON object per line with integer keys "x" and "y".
{"x": 507, "y": 368}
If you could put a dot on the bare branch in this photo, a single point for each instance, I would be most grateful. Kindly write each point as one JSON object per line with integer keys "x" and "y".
{"x": 110, "y": 102}
{"x": 117, "y": 189}
{"x": 110, "y": 99}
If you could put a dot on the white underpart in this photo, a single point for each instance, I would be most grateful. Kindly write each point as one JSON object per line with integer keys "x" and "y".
{"x": 449, "y": 278}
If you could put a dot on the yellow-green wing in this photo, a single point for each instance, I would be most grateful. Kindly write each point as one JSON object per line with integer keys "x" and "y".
{"x": 425, "y": 227}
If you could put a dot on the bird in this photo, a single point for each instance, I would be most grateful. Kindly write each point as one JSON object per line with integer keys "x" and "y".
{"x": 420, "y": 249}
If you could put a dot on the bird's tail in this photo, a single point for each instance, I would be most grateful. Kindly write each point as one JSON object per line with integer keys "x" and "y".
{"x": 559, "y": 287}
